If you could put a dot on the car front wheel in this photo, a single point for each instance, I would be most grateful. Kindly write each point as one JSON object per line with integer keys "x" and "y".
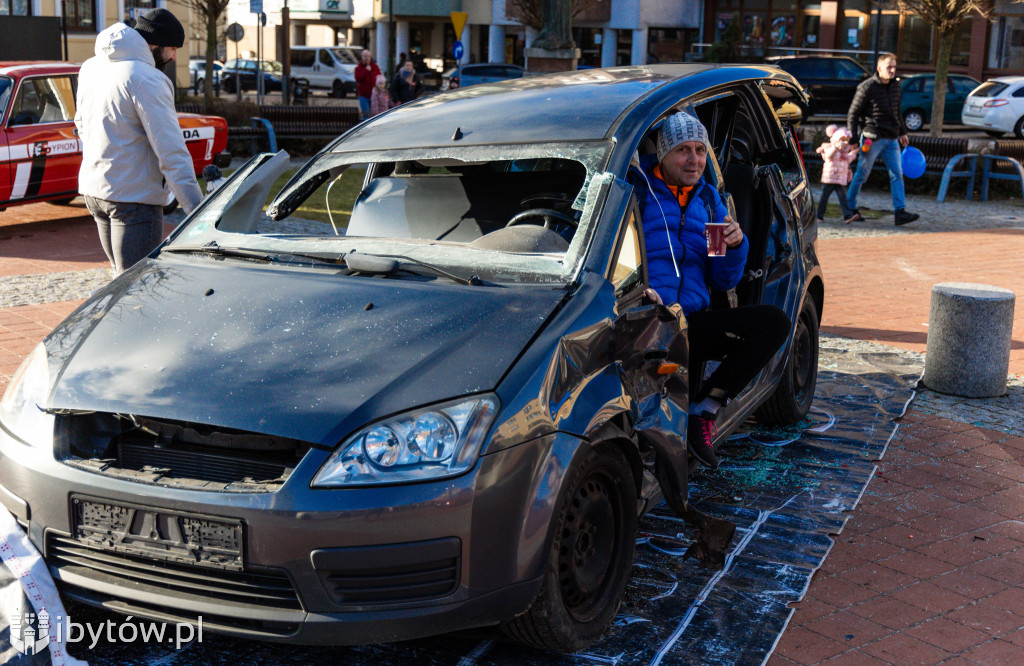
{"x": 338, "y": 90}
{"x": 795, "y": 392}
{"x": 914, "y": 118}
{"x": 995, "y": 134}
{"x": 590, "y": 557}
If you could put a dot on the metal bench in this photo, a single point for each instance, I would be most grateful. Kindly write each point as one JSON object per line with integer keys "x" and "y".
{"x": 300, "y": 122}
{"x": 997, "y": 167}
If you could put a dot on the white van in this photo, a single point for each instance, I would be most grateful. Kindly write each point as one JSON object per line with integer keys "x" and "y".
{"x": 325, "y": 67}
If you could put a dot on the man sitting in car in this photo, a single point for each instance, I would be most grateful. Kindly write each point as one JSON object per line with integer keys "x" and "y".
{"x": 676, "y": 204}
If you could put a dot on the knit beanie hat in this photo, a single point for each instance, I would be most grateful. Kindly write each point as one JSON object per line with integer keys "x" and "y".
{"x": 839, "y": 134}
{"x": 159, "y": 27}
{"x": 677, "y": 129}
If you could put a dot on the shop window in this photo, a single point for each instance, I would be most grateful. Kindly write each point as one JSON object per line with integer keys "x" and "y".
{"x": 1006, "y": 43}
{"x": 132, "y": 8}
{"x": 15, "y": 8}
{"x": 918, "y": 41}
{"x": 624, "y": 48}
{"x": 961, "y": 53}
{"x": 81, "y": 15}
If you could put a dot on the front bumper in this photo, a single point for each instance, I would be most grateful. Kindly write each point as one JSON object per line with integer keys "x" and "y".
{"x": 320, "y": 566}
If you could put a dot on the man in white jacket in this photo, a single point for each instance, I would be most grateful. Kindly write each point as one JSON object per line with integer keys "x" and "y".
{"x": 132, "y": 145}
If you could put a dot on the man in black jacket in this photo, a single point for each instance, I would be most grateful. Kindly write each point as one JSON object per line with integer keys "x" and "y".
{"x": 875, "y": 115}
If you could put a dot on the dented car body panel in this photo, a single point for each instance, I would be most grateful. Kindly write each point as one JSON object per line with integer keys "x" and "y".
{"x": 384, "y": 429}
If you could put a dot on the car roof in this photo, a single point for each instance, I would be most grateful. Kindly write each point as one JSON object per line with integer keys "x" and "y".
{"x": 565, "y": 106}
{"x": 1006, "y": 79}
{"x": 21, "y": 68}
{"x": 808, "y": 57}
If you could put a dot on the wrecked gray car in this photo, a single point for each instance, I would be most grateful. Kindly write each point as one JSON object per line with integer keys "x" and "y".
{"x": 441, "y": 406}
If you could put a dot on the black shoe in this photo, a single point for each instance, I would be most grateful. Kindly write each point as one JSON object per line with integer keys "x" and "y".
{"x": 701, "y": 434}
{"x": 903, "y": 217}
{"x": 855, "y": 216}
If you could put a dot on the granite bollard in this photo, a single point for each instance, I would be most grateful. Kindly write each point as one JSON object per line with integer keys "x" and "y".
{"x": 969, "y": 328}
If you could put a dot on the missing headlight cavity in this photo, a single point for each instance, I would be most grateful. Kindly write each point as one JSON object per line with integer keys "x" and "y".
{"x": 170, "y": 453}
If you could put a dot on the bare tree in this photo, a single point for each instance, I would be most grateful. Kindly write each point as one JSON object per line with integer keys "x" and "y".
{"x": 531, "y": 12}
{"x": 209, "y": 14}
{"x": 946, "y": 16}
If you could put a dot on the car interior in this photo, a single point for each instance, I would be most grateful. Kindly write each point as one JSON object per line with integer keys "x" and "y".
{"x": 522, "y": 205}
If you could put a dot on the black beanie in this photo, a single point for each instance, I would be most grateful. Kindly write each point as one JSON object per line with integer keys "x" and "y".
{"x": 159, "y": 27}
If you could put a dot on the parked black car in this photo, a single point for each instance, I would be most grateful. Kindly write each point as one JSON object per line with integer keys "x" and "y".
{"x": 450, "y": 415}
{"x": 243, "y": 72}
{"x": 830, "y": 81}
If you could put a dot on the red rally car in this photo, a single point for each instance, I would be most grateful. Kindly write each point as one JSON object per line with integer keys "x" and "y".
{"x": 39, "y": 147}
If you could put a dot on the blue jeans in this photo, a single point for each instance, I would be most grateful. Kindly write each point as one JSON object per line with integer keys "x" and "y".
{"x": 364, "y": 107}
{"x": 890, "y": 152}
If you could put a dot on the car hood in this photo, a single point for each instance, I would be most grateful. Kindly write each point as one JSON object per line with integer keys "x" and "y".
{"x": 306, "y": 354}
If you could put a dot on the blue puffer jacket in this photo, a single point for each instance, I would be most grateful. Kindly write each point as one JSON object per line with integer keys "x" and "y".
{"x": 697, "y": 271}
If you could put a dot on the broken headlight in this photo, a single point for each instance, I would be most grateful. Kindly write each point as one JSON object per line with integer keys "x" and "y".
{"x": 432, "y": 443}
{"x": 21, "y": 410}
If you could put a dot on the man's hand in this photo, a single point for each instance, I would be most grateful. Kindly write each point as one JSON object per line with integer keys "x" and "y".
{"x": 904, "y": 141}
{"x": 733, "y": 233}
{"x": 653, "y": 296}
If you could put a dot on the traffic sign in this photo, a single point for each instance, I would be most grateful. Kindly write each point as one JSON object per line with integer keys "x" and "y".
{"x": 459, "y": 22}
{"x": 255, "y": 6}
{"x": 235, "y": 32}
{"x": 458, "y": 50}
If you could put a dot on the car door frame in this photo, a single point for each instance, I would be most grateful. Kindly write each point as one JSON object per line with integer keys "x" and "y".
{"x": 43, "y": 157}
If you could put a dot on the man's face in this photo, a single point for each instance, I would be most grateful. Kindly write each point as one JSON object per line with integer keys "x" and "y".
{"x": 407, "y": 66}
{"x": 366, "y": 56}
{"x": 684, "y": 164}
{"x": 164, "y": 54}
{"x": 886, "y": 69}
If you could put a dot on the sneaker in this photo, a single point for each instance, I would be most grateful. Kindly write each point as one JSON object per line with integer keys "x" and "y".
{"x": 903, "y": 217}
{"x": 700, "y": 438}
{"x": 855, "y": 216}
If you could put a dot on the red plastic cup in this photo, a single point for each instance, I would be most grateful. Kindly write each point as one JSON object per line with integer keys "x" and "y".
{"x": 715, "y": 233}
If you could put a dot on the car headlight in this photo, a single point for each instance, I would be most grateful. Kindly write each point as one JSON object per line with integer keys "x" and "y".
{"x": 431, "y": 443}
{"x": 21, "y": 410}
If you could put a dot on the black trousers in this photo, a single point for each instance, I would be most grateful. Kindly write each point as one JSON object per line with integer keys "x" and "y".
{"x": 744, "y": 339}
{"x": 826, "y": 191}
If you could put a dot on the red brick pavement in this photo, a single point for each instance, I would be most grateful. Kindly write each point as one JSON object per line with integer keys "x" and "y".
{"x": 879, "y": 288}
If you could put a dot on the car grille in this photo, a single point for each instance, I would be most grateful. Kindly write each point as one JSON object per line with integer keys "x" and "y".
{"x": 245, "y": 590}
{"x": 197, "y": 465}
{"x": 389, "y": 574}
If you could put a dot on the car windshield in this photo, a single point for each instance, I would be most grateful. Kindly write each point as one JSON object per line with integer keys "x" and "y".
{"x": 501, "y": 213}
{"x": 990, "y": 89}
{"x": 271, "y": 66}
{"x": 6, "y": 85}
{"x": 345, "y": 56}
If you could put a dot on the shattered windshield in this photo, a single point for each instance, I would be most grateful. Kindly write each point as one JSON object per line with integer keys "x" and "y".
{"x": 500, "y": 213}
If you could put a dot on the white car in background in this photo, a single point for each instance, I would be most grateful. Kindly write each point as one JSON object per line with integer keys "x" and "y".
{"x": 997, "y": 106}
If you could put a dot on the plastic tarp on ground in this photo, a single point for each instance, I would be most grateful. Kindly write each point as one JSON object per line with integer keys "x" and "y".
{"x": 788, "y": 491}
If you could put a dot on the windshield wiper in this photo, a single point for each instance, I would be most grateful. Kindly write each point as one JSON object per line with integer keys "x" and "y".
{"x": 213, "y": 248}
{"x": 386, "y": 264}
{"x": 216, "y": 250}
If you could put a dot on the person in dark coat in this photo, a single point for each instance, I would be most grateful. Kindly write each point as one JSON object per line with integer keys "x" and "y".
{"x": 875, "y": 119}
{"x": 406, "y": 85}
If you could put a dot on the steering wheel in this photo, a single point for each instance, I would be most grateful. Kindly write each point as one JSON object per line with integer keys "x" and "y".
{"x": 548, "y": 214}
{"x": 545, "y": 197}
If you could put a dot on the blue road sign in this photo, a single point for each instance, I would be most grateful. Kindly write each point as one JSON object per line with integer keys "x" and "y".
{"x": 458, "y": 50}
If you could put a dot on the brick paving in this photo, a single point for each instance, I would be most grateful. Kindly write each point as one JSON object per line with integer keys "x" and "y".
{"x": 930, "y": 567}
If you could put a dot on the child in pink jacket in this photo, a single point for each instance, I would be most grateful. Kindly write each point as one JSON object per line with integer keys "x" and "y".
{"x": 380, "y": 100}
{"x": 835, "y": 175}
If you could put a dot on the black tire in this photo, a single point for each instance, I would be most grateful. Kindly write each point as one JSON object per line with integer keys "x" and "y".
{"x": 590, "y": 558}
{"x": 995, "y": 134}
{"x": 62, "y": 202}
{"x": 915, "y": 119}
{"x": 795, "y": 393}
{"x": 338, "y": 89}
{"x": 200, "y": 86}
{"x": 229, "y": 86}
{"x": 1018, "y": 128}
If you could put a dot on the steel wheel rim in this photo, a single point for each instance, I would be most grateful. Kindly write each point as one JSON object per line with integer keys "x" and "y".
{"x": 587, "y": 549}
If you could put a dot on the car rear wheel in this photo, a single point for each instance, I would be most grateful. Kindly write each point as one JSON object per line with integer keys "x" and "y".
{"x": 62, "y": 202}
{"x": 229, "y": 86}
{"x": 590, "y": 557}
{"x": 200, "y": 86}
{"x": 995, "y": 134}
{"x": 795, "y": 392}
{"x": 914, "y": 118}
{"x": 338, "y": 90}
{"x": 1018, "y": 128}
